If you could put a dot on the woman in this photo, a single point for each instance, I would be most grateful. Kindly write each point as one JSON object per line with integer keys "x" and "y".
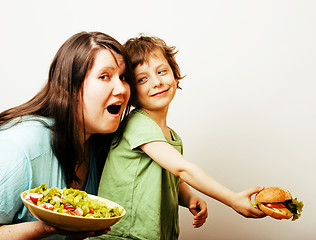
{"x": 62, "y": 135}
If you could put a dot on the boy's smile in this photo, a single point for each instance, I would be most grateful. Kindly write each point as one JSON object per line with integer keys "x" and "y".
{"x": 160, "y": 93}
{"x": 155, "y": 83}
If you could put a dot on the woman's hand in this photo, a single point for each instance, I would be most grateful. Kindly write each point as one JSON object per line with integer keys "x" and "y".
{"x": 83, "y": 234}
{"x": 241, "y": 203}
{"x": 198, "y": 208}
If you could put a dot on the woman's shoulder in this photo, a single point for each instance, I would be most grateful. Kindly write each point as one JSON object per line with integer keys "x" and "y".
{"x": 27, "y": 131}
{"x": 27, "y": 122}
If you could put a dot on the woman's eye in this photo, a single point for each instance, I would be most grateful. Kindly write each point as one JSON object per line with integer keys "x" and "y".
{"x": 104, "y": 76}
{"x": 123, "y": 77}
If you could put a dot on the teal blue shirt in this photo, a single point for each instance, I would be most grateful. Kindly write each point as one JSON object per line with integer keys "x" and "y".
{"x": 27, "y": 161}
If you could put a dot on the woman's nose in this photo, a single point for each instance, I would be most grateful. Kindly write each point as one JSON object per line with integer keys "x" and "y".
{"x": 120, "y": 87}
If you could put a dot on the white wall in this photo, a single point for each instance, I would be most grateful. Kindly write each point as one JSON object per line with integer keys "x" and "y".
{"x": 247, "y": 109}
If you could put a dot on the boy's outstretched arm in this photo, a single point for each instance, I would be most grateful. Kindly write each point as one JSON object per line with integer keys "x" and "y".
{"x": 170, "y": 159}
{"x": 195, "y": 204}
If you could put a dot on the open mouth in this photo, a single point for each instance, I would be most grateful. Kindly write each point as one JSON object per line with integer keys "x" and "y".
{"x": 114, "y": 109}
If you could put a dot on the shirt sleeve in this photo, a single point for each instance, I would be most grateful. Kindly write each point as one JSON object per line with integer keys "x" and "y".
{"x": 141, "y": 129}
{"x": 14, "y": 179}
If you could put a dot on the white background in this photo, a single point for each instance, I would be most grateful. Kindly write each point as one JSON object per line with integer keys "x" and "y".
{"x": 246, "y": 113}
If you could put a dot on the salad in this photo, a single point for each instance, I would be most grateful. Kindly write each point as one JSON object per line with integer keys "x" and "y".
{"x": 70, "y": 201}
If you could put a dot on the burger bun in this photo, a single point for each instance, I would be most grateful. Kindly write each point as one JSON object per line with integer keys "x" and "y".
{"x": 274, "y": 195}
{"x": 277, "y": 213}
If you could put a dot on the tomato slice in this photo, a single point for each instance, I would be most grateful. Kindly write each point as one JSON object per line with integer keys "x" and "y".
{"x": 70, "y": 213}
{"x": 47, "y": 206}
{"x": 274, "y": 205}
{"x": 67, "y": 206}
{"x": 78, "y": 211}
{"x": 34, "y": 196}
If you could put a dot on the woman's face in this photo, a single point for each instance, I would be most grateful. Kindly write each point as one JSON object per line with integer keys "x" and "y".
{"x": 105, "y": 93}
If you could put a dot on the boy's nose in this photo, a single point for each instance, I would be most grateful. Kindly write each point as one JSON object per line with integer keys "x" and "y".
{"x": 156, "y": 81}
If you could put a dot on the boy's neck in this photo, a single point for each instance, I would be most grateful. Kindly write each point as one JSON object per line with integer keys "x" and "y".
{"x": 160, "y": 117}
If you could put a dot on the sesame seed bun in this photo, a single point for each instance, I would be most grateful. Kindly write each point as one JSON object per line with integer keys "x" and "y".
{"x": 273, "y": 195}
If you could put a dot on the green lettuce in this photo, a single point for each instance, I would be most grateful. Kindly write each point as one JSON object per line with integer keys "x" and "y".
{"x": 69, "y": 199}
{"x": 295, "y": 207}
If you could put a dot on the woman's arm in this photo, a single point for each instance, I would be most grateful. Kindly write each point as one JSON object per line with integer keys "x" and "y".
{"x": 170, "y": 159}
{"x": 38, "y": 230}
{"x": 27, "y": 230}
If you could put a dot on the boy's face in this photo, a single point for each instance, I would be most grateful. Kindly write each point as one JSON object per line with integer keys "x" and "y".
{"x": 155, "y": 83}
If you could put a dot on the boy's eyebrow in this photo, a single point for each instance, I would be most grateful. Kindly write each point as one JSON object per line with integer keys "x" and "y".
{"x": 139, "y": 73}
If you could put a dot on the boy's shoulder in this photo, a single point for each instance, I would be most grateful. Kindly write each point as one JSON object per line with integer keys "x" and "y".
{"x": 138, "y": 111}
{"x": 137, "y": 116}
{"x": 139, "y": 121}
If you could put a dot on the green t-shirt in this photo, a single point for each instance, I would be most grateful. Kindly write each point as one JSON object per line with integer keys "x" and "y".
{"x": 132, "y": 179}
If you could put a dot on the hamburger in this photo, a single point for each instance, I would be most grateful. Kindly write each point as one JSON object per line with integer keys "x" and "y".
{"x": 278, "y": 203}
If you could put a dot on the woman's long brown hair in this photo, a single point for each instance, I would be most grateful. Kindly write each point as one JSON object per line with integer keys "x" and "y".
{"x": 58, "y": 100}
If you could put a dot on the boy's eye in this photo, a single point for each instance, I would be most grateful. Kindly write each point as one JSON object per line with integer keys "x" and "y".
{"x": 142, "y": 80}
{"x": 162, "y": 71}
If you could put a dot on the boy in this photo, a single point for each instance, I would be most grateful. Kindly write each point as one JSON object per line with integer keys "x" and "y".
{"x": 146, "y": 172}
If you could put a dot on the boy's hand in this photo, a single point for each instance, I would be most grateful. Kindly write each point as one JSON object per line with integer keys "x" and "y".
{"x": 198, "y": 208}
{"x": 241, "y": 203}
